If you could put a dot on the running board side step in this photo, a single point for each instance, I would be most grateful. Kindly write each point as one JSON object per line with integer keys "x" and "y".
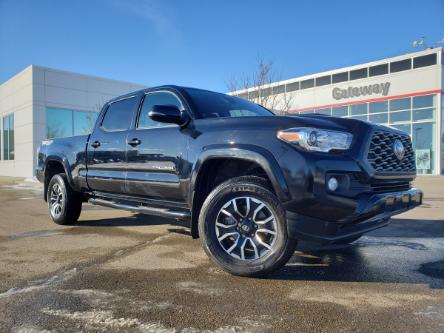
{"x": 163, "y": 212}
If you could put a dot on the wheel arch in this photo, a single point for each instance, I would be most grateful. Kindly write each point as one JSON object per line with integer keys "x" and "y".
{"x": 55, "y": 165}
{"x": 258, "y": 158}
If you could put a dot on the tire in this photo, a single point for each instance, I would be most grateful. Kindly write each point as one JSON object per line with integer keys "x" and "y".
{"x": 347, "y": 240}
{"x": 249, "y": 257}
{"x": 70, "y": 202}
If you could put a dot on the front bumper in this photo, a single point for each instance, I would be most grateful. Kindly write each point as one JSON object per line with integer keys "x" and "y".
{"x": 372, "y": 211}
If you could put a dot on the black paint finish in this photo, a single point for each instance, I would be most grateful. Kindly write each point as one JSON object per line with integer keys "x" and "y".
{"x": 163, "y": 164}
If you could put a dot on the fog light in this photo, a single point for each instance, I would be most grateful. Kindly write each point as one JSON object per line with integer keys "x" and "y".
{"x": 333, "y": 184}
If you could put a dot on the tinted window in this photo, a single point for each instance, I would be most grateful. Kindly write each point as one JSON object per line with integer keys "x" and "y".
{"x": 340, "y": 77}
{"x": 307, "y": 84}
{"x": 358, "y": 109}
{"x": 253, "y": 94}
{"x": 119, "y": 114}
{"x": 83, "y": 122}
{"x": 381, "y": 118}
{"x": 293, "y": 86}
{"x": 358, "y": 74}
{"x": 340, "y": 111}
{"x": 58, "y": 123}
{"x": 401, "y": 65}
{"x": 379, "y": 70}
{"x": 423, "y": 114}
{"x": 427, "y": 60}
{"x": 266, "y": 92}
{"x": 378, "y": 107}
{"x": 279, "y": 89}
{"x": 156, "y": 98}
{"x": 210, "y": 104}
{"x": 326, "y": 111}
{"x": 399, "y": 116}
{"x": 423, "y": 101}
{"x": 400, "y": 104}
{"x": 323, "y": 80}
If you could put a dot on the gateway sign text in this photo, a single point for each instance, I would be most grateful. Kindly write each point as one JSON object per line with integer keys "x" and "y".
{"x": 376, "y": 89}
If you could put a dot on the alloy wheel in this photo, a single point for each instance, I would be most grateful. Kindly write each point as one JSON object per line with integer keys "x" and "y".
{"x": 246, "y": 228}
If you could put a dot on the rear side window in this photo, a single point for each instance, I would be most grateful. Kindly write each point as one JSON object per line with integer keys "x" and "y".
{"x": 119, "y": 115}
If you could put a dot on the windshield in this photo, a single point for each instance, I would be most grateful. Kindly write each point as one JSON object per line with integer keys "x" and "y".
{"x": 216, "y": 105}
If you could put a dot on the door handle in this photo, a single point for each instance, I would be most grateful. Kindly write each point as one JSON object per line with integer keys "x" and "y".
{"x": 95, "y": 144}
{"x": 134, "y": 142}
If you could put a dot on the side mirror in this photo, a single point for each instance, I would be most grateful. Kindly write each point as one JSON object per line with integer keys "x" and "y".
{"x": 168, "y": 114}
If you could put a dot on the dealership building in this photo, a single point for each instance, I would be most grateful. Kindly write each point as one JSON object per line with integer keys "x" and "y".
{"x": 405, "y": 92}
{"x": 41, "y": 103}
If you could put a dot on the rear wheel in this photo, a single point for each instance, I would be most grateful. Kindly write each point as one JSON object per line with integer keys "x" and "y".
{"x": 64, "y": 204}
{"x": 243, "y": 228}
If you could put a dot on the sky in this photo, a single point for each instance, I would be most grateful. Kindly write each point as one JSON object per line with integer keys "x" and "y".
{"x": 205, "y": 44}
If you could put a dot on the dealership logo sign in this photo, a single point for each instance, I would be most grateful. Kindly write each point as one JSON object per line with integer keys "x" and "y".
{"x": 371, "y": 89}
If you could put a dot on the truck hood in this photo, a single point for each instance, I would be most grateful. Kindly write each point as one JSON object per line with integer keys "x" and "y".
{"x": 283, "y": 122}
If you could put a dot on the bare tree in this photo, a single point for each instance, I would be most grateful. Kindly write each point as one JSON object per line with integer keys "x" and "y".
{"x": 262, "y": 88}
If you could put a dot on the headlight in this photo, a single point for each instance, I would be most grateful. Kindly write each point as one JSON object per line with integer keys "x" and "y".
{"x": 314, "y": 139}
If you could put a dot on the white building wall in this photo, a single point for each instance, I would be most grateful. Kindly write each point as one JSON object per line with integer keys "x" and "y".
{"x": 16, "y": 97}
{"x": 29, "y": 93}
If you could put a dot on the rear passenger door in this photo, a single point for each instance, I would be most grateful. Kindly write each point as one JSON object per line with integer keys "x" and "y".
{"x": 107, "y": 147}
{"x": 157, "y": 152}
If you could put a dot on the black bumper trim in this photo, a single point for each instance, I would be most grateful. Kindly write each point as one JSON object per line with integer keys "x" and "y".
{"x": 372, "y": 212}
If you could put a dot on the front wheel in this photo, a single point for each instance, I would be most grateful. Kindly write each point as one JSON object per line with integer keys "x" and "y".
{"x": 64, "y": 204}
{"x": 243, "y": 228}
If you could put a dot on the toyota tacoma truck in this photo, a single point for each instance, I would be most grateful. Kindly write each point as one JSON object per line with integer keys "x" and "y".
{"x": 249, "y": 183}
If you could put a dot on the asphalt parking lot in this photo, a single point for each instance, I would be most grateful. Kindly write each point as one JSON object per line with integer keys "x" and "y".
{"x": 117, "y": 272}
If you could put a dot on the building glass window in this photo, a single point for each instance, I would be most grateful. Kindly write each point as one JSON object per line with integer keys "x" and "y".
{"x": 340, "y": 111}
{"x": 400, "y": 104}
{"x": 377, "y": 107}
{"x": 379, "y": 118}
{"x": 423, "y": 101}
{"x": 402, "y": 65}
{"x": 426, "y": 60}
{"x": 378, "y": 70}
{"x": 364, "y": 118}
{"x": 323, "y": 80}
{"x": 62, "y": 123}
{"x": 326, "y": 111}
{"x": 423, "y": 145}
{"x": 422, "y": 114}
{"x": 279, "y": 89}
{"x": 8, "y": 137}
{"x": 293, "y": 86}
{"x": 307, "y": 84}
{"x": 253, "y": 94}
{"x": 400, "y": 116}
{"x": 413, "y": 115}
{"x": 83, "y": 122}
{"x": 358, "y": 74}
{"x": 403, "y": 127}
{"x": 339, "y": 77}
{"x": 358, "y": 109}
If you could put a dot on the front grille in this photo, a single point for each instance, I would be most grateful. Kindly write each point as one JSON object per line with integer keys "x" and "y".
{"x": 390, "y": 186}
{"x": 382, "y": 157}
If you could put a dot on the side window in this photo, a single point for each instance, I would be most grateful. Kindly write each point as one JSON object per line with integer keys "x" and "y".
{"x": 156, "y": 98}
{"x": 119, "y": 115}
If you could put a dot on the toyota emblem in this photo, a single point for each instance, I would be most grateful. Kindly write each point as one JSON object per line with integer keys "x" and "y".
{"x": 398, "y": 149}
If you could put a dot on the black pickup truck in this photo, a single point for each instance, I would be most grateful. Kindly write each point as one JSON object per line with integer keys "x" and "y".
{"x": 250, "y": 184}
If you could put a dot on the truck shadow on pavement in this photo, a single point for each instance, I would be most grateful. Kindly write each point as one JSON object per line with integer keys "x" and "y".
{"x": 407, "y": 251}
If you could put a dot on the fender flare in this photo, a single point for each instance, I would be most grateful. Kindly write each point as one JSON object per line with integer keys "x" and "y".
{"x": 64, "y": 162}
{"x": 245, "y": 152}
